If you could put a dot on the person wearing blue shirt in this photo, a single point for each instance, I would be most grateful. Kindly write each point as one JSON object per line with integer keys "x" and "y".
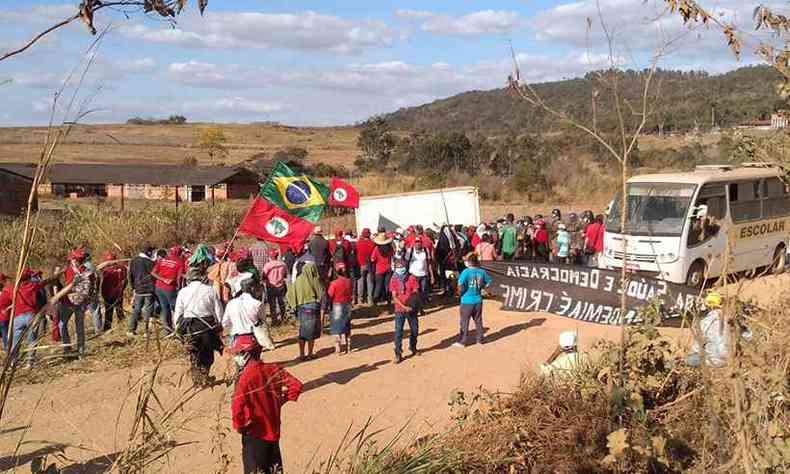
{"x": 471, "y": 284}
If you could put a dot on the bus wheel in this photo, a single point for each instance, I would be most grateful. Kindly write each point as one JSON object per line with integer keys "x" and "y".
{"x": 696, "y": 274}
{"x": 779, "y": 261}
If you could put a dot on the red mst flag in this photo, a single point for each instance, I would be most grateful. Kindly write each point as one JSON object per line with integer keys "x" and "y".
{"x": 342, "y": 194}
{"x": 269, "y": 223}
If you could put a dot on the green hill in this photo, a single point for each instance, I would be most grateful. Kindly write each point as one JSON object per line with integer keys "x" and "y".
{"x": 685, "y": 100}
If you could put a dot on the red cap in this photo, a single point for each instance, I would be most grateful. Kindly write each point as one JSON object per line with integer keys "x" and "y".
{"x": 108, "y": 256}
{"x": 78, "y": 254}
{"x": 274, "y": 253}
{"x": 27, "y": 274}
{"x": 176, "y": 251}
{"x": 245, "y": 343}
{"x": 366, "y": 233}
{"x": 338, "y": 234}
{"x": 410, "y": 228}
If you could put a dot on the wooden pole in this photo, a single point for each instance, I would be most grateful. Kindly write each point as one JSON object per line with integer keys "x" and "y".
{"x": 212, "y": 196}
{"x": 123, "y": 205}
{"x": 177, "y": 197}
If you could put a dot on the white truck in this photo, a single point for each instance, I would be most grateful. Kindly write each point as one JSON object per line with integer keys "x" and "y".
{"x": 439, "y": 206}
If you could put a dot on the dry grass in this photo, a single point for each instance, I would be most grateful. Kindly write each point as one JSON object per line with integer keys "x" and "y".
{"x": 666, "y": 418}
{"x": 170, "y": 144}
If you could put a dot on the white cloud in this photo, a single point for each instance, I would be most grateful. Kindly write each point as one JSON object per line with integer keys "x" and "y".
{"x": 498, "y": 22}
{"x": 413, "y": 14}
{"x": 308, "y": 31}
{"x": 38, "y": 14}
{"x": 235, "y": 106}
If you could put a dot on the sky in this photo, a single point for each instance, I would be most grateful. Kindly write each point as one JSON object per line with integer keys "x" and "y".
{"x": 318, "y": 63}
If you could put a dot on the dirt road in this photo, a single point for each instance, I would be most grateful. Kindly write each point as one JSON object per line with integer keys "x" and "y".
{"x": 78, "y": 415}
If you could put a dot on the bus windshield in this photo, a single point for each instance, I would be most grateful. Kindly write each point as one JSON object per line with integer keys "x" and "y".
{"x": 652, "y": 209}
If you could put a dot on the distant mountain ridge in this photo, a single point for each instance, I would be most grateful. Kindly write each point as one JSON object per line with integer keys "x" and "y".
{"x": 687, "y": 100}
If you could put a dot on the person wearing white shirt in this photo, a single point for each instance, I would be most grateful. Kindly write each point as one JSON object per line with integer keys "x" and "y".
{"x": 197, "y": 315}
{"x": 419, "y": 262}
{"x": 244, "y": 314}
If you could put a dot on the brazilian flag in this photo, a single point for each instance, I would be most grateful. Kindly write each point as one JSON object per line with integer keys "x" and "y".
{"x": 297, "y": 194}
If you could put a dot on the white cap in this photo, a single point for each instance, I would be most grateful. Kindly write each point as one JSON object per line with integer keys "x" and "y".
{"x": 561, "y": 227}
{"x": 568, "y": 339}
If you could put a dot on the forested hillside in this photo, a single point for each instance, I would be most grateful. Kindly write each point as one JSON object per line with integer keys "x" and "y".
{"x": 683, "y": 101}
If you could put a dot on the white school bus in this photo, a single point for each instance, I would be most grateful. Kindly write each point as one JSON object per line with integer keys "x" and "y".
{"x": 678, "y": 224}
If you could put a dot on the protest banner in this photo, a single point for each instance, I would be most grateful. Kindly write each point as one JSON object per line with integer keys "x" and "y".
{"x": 585, "y": 294}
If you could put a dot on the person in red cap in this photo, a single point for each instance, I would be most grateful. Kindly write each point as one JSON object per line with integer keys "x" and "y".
{"x": 83, "y": 292}
{"x": 340, "y": 293}
{"x": 261, "y": 391}
{"x": 169, "y": 275}
{"x": 274, "y": 274}
{"x": 113, "y": 284}
{"x": 30, "y": 299}
{"x": 340, "y": 249}
{"x": 364, "y": 250}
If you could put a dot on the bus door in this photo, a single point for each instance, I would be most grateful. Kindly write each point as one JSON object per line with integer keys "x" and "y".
{"x": 707, "y": 236}
{"x": 745, "y": 199}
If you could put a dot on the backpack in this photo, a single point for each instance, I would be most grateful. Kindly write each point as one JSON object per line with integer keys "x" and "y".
{"x": 340, "y": 253}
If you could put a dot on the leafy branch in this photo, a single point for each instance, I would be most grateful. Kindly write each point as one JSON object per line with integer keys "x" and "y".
{"x": 87, "y": 9}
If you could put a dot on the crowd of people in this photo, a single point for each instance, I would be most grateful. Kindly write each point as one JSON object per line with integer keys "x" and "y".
{"x": 226, "y": 297}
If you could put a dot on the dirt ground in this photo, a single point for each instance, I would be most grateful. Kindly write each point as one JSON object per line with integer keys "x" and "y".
{"x": 81, "y": 421}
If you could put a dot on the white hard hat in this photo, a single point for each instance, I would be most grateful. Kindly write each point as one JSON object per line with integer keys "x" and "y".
{"x": 568, "y": 339}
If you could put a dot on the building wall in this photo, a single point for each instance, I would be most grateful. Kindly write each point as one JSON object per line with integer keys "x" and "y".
{"x": 14, "y": 191}
{"x": 242, "y": 190}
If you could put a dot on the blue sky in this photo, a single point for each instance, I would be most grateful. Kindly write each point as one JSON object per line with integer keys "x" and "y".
{"x": 332, "y": 63}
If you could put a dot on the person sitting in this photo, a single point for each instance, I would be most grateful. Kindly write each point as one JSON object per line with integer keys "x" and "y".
{"x": 712, "y": 337}
{"x": 565, "y": 357}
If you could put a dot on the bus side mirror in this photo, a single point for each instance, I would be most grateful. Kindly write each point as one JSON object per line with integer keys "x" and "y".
{"x": 700, "y": 212}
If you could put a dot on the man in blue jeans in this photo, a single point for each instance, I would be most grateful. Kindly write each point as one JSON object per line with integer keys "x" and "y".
{"x": 471, "y": 284}
{"x": 142, "y": 282}
{"x": 405, "y": 293}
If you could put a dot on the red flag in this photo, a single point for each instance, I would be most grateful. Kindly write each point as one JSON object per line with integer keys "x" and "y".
{"x": 342, "y": 194}
{"x": 269, "y": 223}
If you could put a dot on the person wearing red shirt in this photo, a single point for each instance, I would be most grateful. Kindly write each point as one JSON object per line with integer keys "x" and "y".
{"x": 113, "y": 284}
{"x": 30, "y": 299}
{"x": 261, "y": 391}
{"x": 405, "y": 294}
{"x": 340, "y": 294}
{"x": 365, "y": 248}
{"x": 593, "y": 240}
{"x": 381, "y": 260}
{"x": 168, "y": 273}
{"x": 541, "y": 239}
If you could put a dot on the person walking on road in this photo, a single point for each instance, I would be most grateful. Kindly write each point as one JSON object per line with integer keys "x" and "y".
{"x": 471, "y": 284}
{"x": 261, "y": 391}
{"x": 83, "y": 291}
{"x": 365, "y": 248}
{"x": 405, "y": 295}
{"x": 508, "y": 236}
{"x": 304, "y": 297}
{"x": 274, "y": 274}
{"x": 340, "y": 293}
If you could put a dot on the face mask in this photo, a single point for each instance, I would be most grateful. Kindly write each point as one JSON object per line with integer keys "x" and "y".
{"x": 400, "y": 271}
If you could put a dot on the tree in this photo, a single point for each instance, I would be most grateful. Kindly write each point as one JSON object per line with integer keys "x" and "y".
{"x": 376, "y": 142}
{"x": 212, "y": 141}
{"x": 291, "y": 153}
{"x": 87, "y": 9}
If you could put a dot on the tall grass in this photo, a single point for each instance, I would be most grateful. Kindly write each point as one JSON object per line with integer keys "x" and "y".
{"x": 667, "y": 418}
{"x": 124, "y": 233}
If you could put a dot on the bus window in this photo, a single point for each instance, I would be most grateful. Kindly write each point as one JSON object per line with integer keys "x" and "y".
{"x": 714, "y": 196}
{"x": 777, "y": 199}
{"x": 745, "y": 202}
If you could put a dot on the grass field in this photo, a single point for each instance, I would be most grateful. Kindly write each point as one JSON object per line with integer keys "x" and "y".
{"x": 171, "y": 144}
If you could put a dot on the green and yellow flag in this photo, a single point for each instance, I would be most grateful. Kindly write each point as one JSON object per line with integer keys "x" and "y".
{"x": 297, "y": 194}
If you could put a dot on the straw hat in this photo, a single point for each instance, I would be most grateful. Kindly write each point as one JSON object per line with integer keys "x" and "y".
{"x": 382, "y": 239}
